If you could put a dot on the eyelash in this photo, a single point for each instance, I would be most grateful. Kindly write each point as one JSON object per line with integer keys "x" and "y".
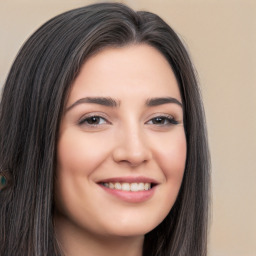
{"x": 165, "y": 120}
{"x": 168, "y": 120}
{"x": 86, "y": 120}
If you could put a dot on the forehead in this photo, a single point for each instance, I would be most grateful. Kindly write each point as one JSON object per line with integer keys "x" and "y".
{"x": 137, "y": 70}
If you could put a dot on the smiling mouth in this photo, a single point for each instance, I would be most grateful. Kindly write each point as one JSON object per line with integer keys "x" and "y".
{"x": 130, "y": 189}
{"x": 125, "y": 186}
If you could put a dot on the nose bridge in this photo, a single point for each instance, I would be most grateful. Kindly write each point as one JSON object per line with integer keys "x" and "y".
{"x": 132, "y": 146}
{"x": 135, "y": 139}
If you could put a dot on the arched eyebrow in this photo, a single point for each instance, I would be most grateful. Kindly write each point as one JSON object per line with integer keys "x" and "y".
{"x": 104, "y": 101}
{"x": 160, "y": 101}
{"x": 110, "y": 102}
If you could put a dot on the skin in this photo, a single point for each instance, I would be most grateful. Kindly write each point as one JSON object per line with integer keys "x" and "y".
{"x": 130, "y": 139}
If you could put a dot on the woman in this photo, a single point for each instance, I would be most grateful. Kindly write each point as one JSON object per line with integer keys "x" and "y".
{"x": 103, "y": 144}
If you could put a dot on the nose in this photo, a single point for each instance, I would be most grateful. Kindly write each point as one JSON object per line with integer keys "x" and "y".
{"x": 132, "y": 148}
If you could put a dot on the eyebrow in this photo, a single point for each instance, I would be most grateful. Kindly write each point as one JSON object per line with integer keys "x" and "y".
{"x": 104, "y": 101}
{"x": 110, "y": 102}
{"x": 160, "y": 101}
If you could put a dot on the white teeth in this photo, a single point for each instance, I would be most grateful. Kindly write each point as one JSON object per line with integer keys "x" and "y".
{"x": 128, "y": 186}
{"x": 141, "y": 186}
{"x": 135, "y": 187}
{"x": 118, "y": 185}
{"x": 147, "y": 186}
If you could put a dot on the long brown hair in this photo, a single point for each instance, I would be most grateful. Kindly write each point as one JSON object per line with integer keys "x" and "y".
{"x": 31, "y": 107}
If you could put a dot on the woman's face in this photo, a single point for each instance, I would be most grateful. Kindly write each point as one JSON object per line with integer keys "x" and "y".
{"x": 121, "y": 148}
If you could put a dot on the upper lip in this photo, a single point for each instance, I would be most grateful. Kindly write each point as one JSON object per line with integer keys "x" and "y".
{"x": 129, "y": 179}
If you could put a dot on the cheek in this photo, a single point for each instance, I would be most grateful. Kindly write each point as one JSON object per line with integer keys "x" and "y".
{"x": 171, "y": 157}
{"x": 77, "y": 158}
{"x": 78, "y": 153}
{"x": 171, "y": 153}
{"x": 75, "y": 163}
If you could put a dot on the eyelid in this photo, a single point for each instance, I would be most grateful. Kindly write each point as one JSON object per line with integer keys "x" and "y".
{"x": 172, "y": 120}
{"x": 93, "y": 114}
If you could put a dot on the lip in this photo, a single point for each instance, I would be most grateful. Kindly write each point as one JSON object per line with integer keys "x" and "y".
{"x": 130, "y": 179}
{"x": 130, "y": 196}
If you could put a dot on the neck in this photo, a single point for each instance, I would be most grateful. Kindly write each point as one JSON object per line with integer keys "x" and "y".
{"x": 75, "y": 241}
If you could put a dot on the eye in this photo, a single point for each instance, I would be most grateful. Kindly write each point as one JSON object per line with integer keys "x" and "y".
{"x": 93, "y": 121}
{"x": 163, "y": 120}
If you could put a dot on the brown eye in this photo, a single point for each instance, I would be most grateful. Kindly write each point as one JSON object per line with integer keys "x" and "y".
{"x": 93, "y": 120}
{"x": 163, "y": 120}
{"x": 159, "y": 120}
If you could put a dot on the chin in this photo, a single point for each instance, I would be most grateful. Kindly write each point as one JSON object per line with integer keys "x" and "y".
{"x": 132, "y": 228}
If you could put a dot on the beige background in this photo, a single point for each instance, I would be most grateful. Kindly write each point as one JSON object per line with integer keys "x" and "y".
{"x": 221, "y": 37}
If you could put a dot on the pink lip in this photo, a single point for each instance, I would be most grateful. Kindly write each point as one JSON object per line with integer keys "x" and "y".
{"x": 129, "y": 196}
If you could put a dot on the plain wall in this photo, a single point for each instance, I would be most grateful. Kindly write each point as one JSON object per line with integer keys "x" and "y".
{"x": 221, "y": 38}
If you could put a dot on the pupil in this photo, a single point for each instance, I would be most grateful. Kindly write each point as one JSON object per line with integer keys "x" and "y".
{"x": 159, "y": 120}
{"x": 93, "y": 120}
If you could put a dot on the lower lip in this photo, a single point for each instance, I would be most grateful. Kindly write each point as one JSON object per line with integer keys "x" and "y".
{"x": 129, "y": 196}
